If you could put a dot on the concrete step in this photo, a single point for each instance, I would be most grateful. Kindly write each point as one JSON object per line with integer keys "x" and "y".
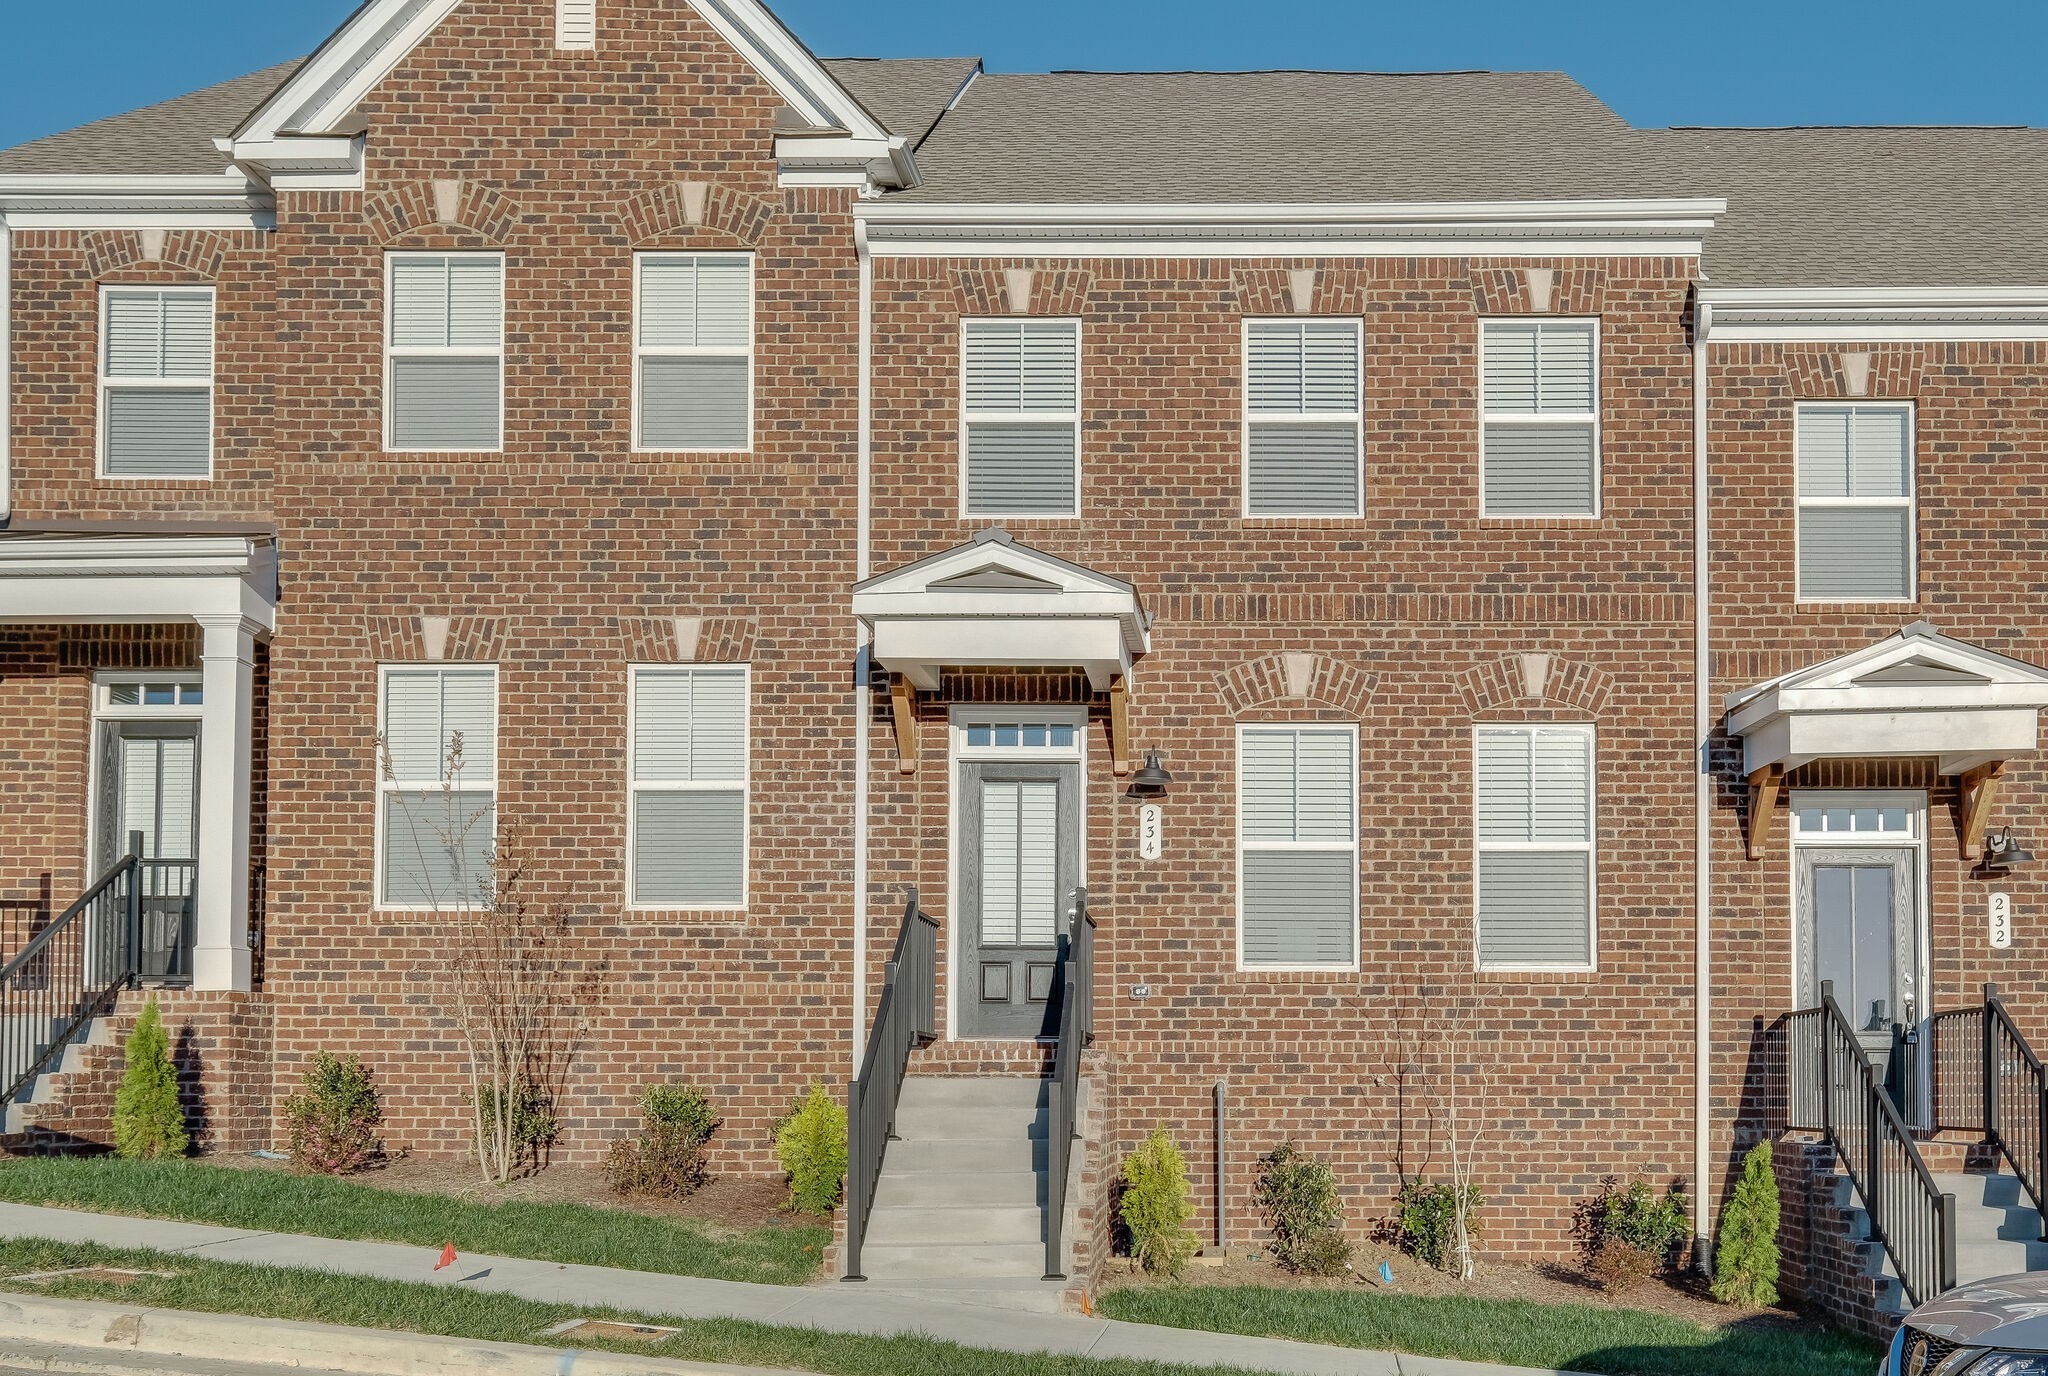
{"x": 928, "y": 1122}
{"x": 1982, "y": 1188}
{"x": 1013, "y": 1091}
{"x": 910, "y": 1157}
{"x": 897, "y": 1261}
{"x": 1028, "y": 1294}
{"x": 962, "y": 1225}
{"x": 1982, "y": 1260}
{"x": 907, "y": 1189}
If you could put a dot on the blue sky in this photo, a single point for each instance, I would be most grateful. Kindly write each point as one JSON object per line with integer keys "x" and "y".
{"x": 1656, "y": 61}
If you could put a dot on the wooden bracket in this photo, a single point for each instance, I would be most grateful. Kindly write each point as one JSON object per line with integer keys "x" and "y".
{"x": 1764, "y": 787}
{"x": 903, "y": 708}
{"x": 1976, "y": 790}
{"x": 1120, "y": 727}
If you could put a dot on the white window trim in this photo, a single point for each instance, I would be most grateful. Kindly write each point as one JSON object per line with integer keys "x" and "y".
{"x": 1519, "y": 418}
{"x": 1045, "y": 418}
{"x": 745, "y": 788}
{"x": 961, "y": 753}
{"x": 107, "y": 384}
{"x": 749, "y": 350}
{"x": 1591, "y": 846}
{"x": 1910, "y": 503}
{"x": 1914, "y": 838}
{"x": 1354, "y": 846}
{"x": 1355, "y": 418}
{"x": 394, "y": 351}
{"x": 105, "y": 709}
{"x": 387, "y": 786}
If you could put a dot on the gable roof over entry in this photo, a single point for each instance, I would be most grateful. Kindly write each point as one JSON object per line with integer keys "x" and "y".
{"x": 994, "y": 603}
{"x": 1915, "y": 694}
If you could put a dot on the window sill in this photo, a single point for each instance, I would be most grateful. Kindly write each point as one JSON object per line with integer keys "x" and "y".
{"x": 1864, "y": 604}
{"x": 1486, "y": 976}
{"x": 682, "y": 917}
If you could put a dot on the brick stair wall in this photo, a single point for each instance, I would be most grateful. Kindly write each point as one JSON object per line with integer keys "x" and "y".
{"x": 1825, "y": 1261}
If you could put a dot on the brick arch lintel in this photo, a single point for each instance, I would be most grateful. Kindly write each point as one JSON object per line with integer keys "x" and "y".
{"x": 683, "y": 207}
{"x": 1535, "y": 676}
{"x": 1296, "y": 676}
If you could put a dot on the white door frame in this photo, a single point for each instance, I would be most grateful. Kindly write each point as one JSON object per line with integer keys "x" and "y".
{"x": 958, "y": 752}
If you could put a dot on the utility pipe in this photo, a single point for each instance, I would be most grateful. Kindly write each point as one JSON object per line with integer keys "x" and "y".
{"x": 6, "y": 373}
{"x": 863, "y": 707}
{"x": 1703, "y": 802}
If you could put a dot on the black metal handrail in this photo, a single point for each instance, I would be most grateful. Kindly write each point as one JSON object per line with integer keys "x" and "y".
{"x": 905, "y": 1020}
{"x": 1957, "y": 1056}
{"x": 1063, "y": 1092}
{"x": 1833, "y": 1080}
{"x": 70, "y": 972}
{"x": 2015, "y": 1096}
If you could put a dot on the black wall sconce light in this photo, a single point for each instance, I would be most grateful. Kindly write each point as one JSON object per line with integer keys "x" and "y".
{"x": 1151, "y": 780}
{"x": 2003, "y": 853}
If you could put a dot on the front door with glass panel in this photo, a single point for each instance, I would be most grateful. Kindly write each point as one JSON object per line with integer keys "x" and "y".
{"x": 1858, "y": 931}
{"x": 149, "y": 789}
{"x": 1019, "y": 863}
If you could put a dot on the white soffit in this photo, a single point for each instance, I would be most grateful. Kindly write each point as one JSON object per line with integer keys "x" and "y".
{"x": 996, "y": 604}
{"x": 1748, "y": 315}
{"x": 1915, "y": 694}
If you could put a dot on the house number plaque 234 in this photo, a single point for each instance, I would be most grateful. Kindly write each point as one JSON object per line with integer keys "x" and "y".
{"x": 1151, "y": 832}
{"x": 2001, "y": 921}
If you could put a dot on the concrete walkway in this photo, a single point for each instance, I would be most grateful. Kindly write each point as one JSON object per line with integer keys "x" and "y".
{"x": 833, "y": 1307}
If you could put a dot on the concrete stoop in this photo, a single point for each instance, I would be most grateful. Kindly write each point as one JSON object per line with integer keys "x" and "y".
{"x": 959, "y": 1210}
{"x": 71, "y": 1102}
{"x": 1998, "y": 1233}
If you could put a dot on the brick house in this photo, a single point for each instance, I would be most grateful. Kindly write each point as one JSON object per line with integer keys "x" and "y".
{"x": 1550, "y": 559}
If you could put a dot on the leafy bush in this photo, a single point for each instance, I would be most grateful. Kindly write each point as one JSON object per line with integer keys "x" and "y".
{"x": 333, "y": 1119}
{"x": 1746, "y": 1259}
{"x": 531, "y": 1119}
{"x": 1617, "y": 1266}
{"x": 811, "y": 1145}
{"x": 667, "y": 1159}
{"x": 1427, "y": 1224}
{"x": 1298, "y": 1195}
{"x": 149, "y": 1121}
{"x": 1155, "y": 1206}
{"x": 1637, "y": 1217}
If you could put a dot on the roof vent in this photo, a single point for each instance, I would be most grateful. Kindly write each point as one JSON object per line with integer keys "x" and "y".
{"x": 576, "y": 24}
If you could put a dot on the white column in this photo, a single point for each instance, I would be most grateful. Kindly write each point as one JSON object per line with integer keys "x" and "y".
{"x": 228, "y": 659}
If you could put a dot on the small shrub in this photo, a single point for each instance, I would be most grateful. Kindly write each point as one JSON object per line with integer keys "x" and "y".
{"x": 333, "y": 1119}
{"x": 811, "y": 1145}
{"x": 1746, "y": 1259}
{"x": 1298, "y": 1195}
{"x": 1155, "y": 1206}
{"x": 149, "y": 1121}
{"x": 667, "y": 1159}
{"x": 533, "y": 1124}
{"x": 1617, "y": 1266}
{"x": 1427, "y": 1224}
{"x": 1656, "y": 1226}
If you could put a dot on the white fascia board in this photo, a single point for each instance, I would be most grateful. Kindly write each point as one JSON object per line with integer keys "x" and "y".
{"x": 94, "y": 554}
{"x": 795, "y": 73}
{"x": 919, "y": 649}
{"x": 292, "y": 158}
{"x": 1953, "y": 736}
{"x": 834, "y": 160}
{"x": 1696, "y": 214}
{"x": 231, "y": 200}
{"x": 346, "y": 68}
{"x": 1879, "y": 315}
{"x": 1009, "y": 610}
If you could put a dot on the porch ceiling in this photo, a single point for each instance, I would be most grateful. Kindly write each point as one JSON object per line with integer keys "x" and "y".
{"x": 1914, "y": 694}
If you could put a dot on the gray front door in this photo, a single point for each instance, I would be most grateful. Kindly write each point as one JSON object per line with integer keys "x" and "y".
{"x": 1019, "y": 863}
{"x": 149, "y": 785}
{"x": 1858, "y": 929}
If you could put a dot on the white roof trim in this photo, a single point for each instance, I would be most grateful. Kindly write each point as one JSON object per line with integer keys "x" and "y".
{"x": 128, "y": 579}
{"x": 995, "y": 603}
{"x": 1744, "y": 315}
{"x": 230, "y": 200}
{"x": 1917, "y": 693}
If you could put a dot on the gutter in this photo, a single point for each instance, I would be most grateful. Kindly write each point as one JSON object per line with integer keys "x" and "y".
{"x": 1703, "y": 800}
{"x": 863, "y": 559}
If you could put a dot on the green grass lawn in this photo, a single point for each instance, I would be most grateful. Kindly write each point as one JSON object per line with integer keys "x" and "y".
{"x": 280, "y": 1202}
{"x": 315, "y": 1297}
{"x": 1571, "y": 1337}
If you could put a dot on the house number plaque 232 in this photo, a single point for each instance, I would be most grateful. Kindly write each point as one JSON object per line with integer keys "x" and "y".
{"x": 1151, "y": 832}
{"x": 2001, "y": 921}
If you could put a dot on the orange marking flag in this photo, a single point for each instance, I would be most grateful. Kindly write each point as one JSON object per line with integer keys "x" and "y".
{"x": 447, "y": 1257}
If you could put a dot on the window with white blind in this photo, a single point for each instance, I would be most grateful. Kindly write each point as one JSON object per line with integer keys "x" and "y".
{"x": 437, "y": 812}
{"x": 1021, "y": 418}
{"x": 1856, "y": 515}
{"x": 445, "y": 366}
{"x": 694, "y": 351}
{"x": 1539, "y": 421}
{"x": 688, "y": 780}
{"x": 1303, "y": 422}
{"x": 576, "y": 24}
{"x": 1534, "y": 804}
{"x": 1297, "y": 837}
{"x": 156, "y": 382}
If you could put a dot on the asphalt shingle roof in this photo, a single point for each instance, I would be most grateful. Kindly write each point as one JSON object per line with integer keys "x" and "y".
{"x": 907, "y": 94}
{"x": 173, "y": 138}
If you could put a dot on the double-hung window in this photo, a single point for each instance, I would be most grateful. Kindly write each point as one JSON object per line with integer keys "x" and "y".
{"x": 1303, "y": 434}
{"x": 1539, "y": 422}
{"x": 1021, "y": 413}
{"x": 437, "y": 785}
{"x": 694, "y": 349}
{"x": 156, "y": 382}
{"x": 445, "y": 378}
{"x": 688, "y": 776}
{"x": 1297, "y": 833}
{"x": 1856, "y": 503}
{"x": 1535, "y": 852}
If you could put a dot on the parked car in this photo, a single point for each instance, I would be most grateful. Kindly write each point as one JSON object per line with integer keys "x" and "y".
{"x": 1993, "y": 1327}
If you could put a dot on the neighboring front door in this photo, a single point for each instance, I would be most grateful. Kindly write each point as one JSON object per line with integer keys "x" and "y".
{"x": 1019, "y": 864}
{"x": 1858, "y": 930}
{"x": 149, "y": 786}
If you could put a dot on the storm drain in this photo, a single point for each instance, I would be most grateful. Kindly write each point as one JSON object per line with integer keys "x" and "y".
{"x": 605, "y": 1328}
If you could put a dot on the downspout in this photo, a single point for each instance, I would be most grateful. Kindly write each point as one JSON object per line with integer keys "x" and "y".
{"x": 863, "y": 711}
{"x": 1703, "y": 802}
{"x": 6, "y": 373}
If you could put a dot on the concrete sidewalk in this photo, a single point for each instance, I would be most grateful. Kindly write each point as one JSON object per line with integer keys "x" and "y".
{"x": 833, "y": 1307}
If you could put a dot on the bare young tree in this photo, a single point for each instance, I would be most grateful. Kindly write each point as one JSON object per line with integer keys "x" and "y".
{"x": 513, "y": 971}
{"x": 1435, "y": 1066}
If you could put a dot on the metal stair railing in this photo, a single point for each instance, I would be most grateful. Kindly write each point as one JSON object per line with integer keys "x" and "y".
{"x": 1988, "y": 1079}
{"x": 1062, "y": 1119}
{"x": 905, "y": 1020}
{"x": 70, "y": 972}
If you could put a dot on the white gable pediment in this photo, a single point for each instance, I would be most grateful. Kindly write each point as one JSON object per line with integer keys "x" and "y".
{"x": 1914, "y": 694}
